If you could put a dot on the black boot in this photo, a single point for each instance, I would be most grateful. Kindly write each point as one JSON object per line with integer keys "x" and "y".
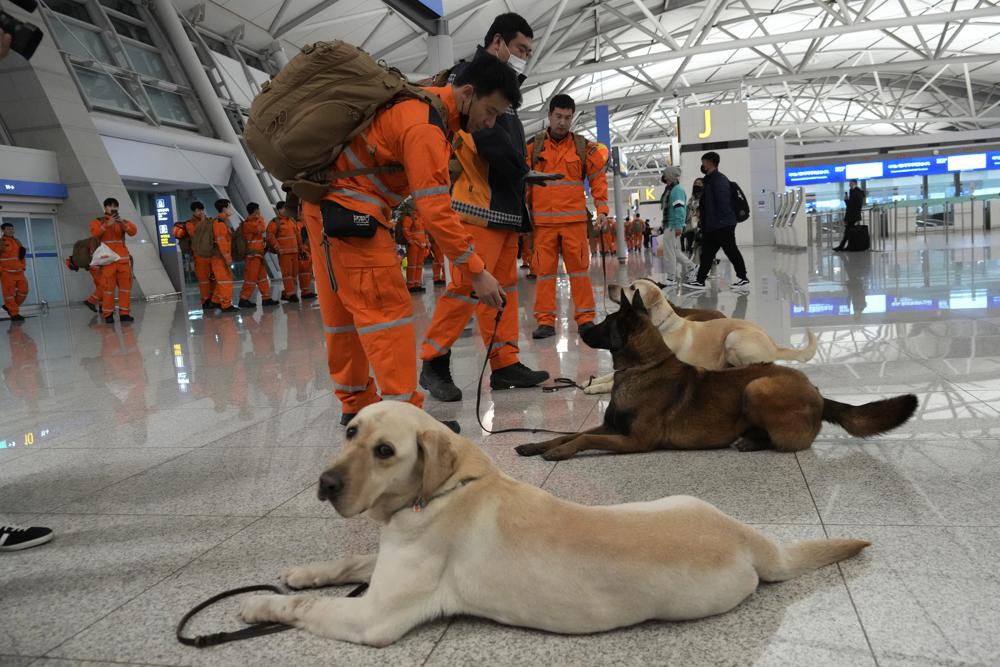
{"x": 435, "y": 377}
{"x": 543, "y": 331}
{"x": 516, "y": 376}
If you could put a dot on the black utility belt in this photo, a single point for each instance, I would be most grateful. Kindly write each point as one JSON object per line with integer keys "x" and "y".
{"x": 340, "y": 222}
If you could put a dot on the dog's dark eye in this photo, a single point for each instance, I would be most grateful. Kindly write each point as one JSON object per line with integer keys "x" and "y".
{"x": 384, "y": 451}
{"x": 351, "y": 431}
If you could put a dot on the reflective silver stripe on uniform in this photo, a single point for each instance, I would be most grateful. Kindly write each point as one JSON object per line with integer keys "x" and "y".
{"x": 347, "y": 328}
{"x": 372, "y": 328}
{"x": 585, "y": 310}
{"x": 429, "y": 341}
{"x": 397, "y": 397}
{"x": 591, "y": 176}
{"x": 376, "y": 181}
{"x": 511, "y": 289}
{"x": 580, "y": 274}
{"x": 464, "y": 257}
{"x": 351, "y": 194}
{"x": 428, "y": 192}
{"x": 600, "y": 201}
{"x": 552, "y": 277}
{"x": 460, "y": 297}
{"x": 501, "y": 343}
{"x": 574, "y": 183}
{"x": 553, "y": 214}
{"x": 353, "y": 388}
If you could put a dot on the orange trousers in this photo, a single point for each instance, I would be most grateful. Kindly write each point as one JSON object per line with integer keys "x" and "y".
{"x": 306, "y": 276}
{"x": 95, "y": 297}
{"x": 15, "y": 290}
{"x": 415, "y": 256}
{"x": 117, "y": 274}
{"x": 203, "y": 272}
{"x": 610, "y": 244}
{"x": 289, "y": 264}
{"x": 572, "y": 239}
{"x": 367, "y": 316}
{"x": 255, "y": 275}
{"x": 224, "y": 285}
{"x": 438, "y": 261}
{"x": 498, "y": 249}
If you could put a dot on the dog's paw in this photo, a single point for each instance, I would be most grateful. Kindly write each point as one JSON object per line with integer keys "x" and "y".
{"x": 260, "y": 608}
{"x": 528, "y": 450}
{"x": 302, "y": 576}
{"x": 560, "y": 453}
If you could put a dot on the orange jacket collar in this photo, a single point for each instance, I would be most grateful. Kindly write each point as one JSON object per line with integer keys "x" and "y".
{"x": 447, "y": 95}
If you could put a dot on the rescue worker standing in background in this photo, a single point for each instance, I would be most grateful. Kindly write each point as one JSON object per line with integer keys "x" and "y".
{"x": 254, "y": 269}
{"x": 222, "y": 258}
{"x": 184, "y": 231}
{"x": 287, "y": 242}
{"x": 559, "y": 214}
{"x": 488, "y": 196}
{"x": 12, "y": 266}
{"x": 305, "y": 264}
{"x": 417, "y": 249}
{"x": 111, "y": 231}
{"x": 437, "y": 261}
{"x": 367, "y": 311}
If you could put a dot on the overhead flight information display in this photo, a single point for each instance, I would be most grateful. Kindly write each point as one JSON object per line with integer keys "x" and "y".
{"x": 913, "y": 166}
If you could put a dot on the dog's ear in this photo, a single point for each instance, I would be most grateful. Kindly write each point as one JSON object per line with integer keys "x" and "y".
{"x": 439, "y": 461}
{"x": 637, "y": 303}
{"x": 659, "y": 284}
{"x": 625, "y": 306}
{"x": 615, "y": 292}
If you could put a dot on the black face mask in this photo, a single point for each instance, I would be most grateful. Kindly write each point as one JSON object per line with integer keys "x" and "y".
{"x": 703, "y": 170}
{"x": 463, "y": 119}
{"x": 696, "y": 190}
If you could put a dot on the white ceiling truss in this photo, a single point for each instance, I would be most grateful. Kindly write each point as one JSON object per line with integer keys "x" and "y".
{"x": 809, "y": 70}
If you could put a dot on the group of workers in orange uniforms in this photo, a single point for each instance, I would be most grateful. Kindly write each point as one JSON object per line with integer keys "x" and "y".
{"x": 287, "y": 236}
{"x": 12, "y": 266}
{"x": 633, "y": 234}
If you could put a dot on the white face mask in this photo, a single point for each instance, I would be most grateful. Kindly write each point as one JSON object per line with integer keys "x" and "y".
{"x": 516, "y": 63}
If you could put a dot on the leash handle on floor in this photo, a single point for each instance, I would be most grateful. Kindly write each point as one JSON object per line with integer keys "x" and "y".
{"x": 255, "y": 630}
{"x": 479, "y": 389}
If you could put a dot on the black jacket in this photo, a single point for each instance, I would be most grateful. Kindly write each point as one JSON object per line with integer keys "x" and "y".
{"x": 716, "y": 206}
{"x": 503, "y": 184}
{"x": 855, "y": 202}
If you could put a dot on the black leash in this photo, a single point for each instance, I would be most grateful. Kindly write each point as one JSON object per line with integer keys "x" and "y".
{"x": 255, "y": 630}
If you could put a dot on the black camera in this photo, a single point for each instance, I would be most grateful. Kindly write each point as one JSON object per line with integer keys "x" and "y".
{"x": 25, "y": 37}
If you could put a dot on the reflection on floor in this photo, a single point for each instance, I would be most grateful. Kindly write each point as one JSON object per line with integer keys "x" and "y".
{"x": 176, "y": 457}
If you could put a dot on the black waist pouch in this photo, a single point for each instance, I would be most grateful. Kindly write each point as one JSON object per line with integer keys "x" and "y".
{"x": 340, "y": 222}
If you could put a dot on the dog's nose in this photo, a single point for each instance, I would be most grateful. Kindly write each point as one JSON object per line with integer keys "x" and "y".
{"x": 330, "y": 485}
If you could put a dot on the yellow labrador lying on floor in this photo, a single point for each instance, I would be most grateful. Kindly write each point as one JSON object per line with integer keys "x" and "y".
{"x": 712, "y": 345}
{"x": 461, "y": 537}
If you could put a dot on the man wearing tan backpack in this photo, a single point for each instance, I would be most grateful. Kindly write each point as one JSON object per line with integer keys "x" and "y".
{"x": 222, "y": 258}
{"x": 185, "y": 232}
{"x": 254, "y": 269}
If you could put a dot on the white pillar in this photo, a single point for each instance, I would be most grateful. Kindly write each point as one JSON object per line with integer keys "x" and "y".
{"x": 247, "y": 180}
{"x": 440, "y": 49}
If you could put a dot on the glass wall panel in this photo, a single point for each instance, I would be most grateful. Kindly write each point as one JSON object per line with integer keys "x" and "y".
{"x": 169, "y": 106}
{"x": 103, "y": 90}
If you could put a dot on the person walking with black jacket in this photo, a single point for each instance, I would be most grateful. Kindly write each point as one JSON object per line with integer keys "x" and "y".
{"x": 718, "y": 223}
{"x": 855, "y": 202}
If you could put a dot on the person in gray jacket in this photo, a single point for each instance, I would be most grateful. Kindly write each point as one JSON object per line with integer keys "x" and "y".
{"x": 718, "y": 224}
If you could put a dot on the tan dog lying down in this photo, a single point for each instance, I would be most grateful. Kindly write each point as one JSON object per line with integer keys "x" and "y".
{"x": 710, "y": 344}
{"x": 487, "y": 545}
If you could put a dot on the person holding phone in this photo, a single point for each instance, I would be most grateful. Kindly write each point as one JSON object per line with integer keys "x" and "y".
{"x": 111, "y": 230}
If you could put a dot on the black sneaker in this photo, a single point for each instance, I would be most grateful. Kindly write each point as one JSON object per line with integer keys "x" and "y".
{"x": 419, "y": 289}
{"x": 441, "y": 281}
{"x": 207, "y": 304}
{"x": 695, "y": 284}
{"x": 290, "y": 299}
{"x": 742, "y": 282}
{"x": 435, "y": 377}
{"x": 270, "y": 302}
{"x": 516, "y": 376}
{"x": 346, "y": 418}
{"x": 247, "y": 303}
{"x": 306, "y": 297}
{"x": 532, "y": 276}
{"x": 543, "y": 331}
{"x": 586, "y": 326}
{"x": 231, "y": 309}
{"x": 125, "y": 317}
{"x": 110, "y": 319}
{"x": 15, "y": 538}
{"x": 92, "y": 306}
{"x": 17, "y": 318}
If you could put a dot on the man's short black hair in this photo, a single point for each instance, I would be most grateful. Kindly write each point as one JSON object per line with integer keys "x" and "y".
{"x": 111, "y": 201}
{"x": 278, "y": 205}
{"x": 252, "y": 208}
{"x": 508, "y": 25}
{"x": 853, "y": 180}
{"x": 6, "y": 225}
{"x": 197, "y": 206}
{"x": 489, "y": 75}
{"x": 712, "y": 157}
{"x": 221, "y": 204}
{"x": 562, "y": 101}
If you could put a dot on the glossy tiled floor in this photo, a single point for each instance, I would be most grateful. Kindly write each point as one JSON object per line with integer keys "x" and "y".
{"x": 176, "y": 458}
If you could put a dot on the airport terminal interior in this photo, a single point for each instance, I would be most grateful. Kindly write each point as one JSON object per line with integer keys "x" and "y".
{"x": 160, "y": 449}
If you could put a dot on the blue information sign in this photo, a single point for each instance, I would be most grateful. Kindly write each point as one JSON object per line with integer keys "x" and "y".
{"x": 913, "y": 166}
{"x": 164, "y": 207}
{"x": 32, "y": 189}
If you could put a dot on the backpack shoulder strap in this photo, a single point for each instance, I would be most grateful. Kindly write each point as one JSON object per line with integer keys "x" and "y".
{"x": 536, "y": 148}
{"x": 581, "y": 150}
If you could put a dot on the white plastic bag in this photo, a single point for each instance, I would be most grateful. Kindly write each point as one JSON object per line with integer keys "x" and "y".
{"x": 104, "y": 256}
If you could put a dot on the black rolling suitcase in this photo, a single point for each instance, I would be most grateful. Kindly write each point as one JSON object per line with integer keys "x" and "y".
{"x": 858, "y": 238}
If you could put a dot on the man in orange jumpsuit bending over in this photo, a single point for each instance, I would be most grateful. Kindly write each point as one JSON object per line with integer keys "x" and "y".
{"x": 367, "y": 311}
{"x": 559, "y": 213}
{"x": 222, "y": 258}
{"x": 13, "y": 284}
{"x": 285, "y": 240}
{"x": 254, "y": 269}
{"x": 202, "y": 265}
{"x": 111, "y": 230}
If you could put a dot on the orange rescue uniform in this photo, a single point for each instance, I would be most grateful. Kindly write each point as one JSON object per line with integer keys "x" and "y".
{"x": 305, "y": 264}
{"x": 202, "y": 265}
{"x": 559, "y": 214}
{"x": 222, "y": 258}
{"x": 417, "y": 249}
{"x": 366, "y": 308}
{"x": 111, "y": 231}
{"x": 286, "y": 241}
{"x": 254, "y": 270}
{"x": 12, "y": 281}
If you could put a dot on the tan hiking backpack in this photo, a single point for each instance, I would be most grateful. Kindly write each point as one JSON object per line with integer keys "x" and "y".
{"x": 239, "y": 246}
{"x": 203, "y": 243}
{"x": 581, "y": 151}
{"x": 325, "y": 96}
{"x": 83, "y": 251}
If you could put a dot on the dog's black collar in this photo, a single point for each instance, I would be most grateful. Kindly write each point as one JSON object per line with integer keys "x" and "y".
{"x": 419, "y": 503}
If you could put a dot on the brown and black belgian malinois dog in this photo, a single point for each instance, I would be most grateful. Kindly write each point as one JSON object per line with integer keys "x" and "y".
{"x": 659, "y": 402}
